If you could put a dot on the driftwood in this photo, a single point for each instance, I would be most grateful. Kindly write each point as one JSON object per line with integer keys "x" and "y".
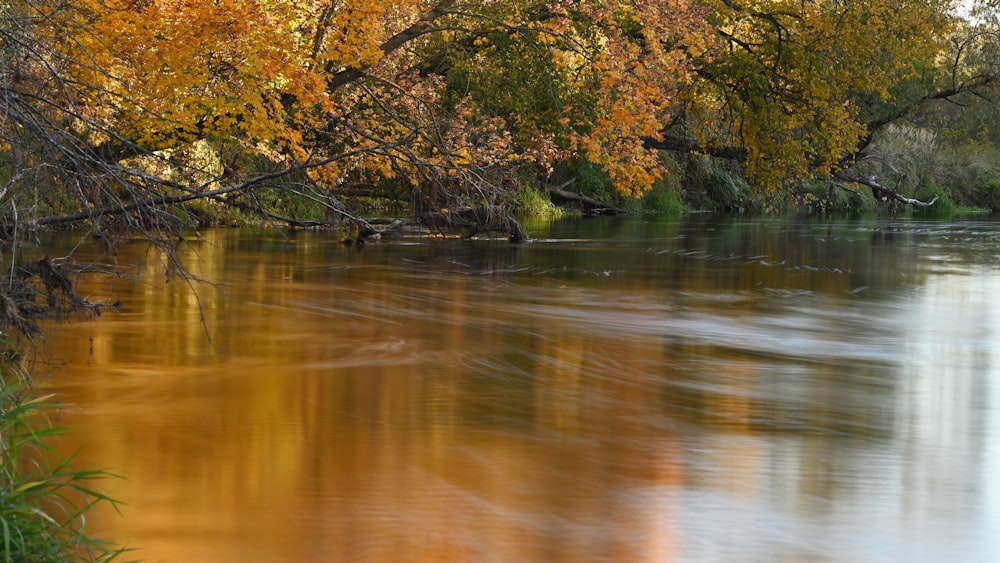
{"x": 470, "y": 221}
{"x": 40, "y": 289}
{"x": 590, "y": 205}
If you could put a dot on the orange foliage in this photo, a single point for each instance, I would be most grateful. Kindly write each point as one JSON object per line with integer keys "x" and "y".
{"x": 646, "y": 54}
{"x": 352, "y": 84}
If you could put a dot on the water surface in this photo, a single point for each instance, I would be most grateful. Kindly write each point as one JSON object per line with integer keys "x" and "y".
{"x": 614, "y": 390}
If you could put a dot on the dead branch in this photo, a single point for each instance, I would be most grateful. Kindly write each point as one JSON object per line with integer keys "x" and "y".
{"x": 39, "y": 289}
{"x": 882, "y": 192}
{"x": 470, "y": 221}
{"x": 590, "y": 204}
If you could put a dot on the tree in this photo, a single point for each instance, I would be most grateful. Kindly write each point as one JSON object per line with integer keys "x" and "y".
{"x": 799, "y": 86}
{"x": 348, "y": 89}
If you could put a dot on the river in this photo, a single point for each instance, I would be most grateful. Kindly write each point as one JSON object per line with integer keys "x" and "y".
{"x": 622, "y": 389}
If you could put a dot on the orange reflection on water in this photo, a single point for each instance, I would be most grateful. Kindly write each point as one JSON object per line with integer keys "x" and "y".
{"x": 744, "y": 390}
{"x": 348, "y": 415}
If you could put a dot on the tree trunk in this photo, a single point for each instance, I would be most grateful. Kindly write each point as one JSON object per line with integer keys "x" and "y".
{"x": 590, "y": 205}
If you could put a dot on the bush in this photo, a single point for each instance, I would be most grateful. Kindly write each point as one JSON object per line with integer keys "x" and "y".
{"x": 662, "y": 199}
{"x": 987, "y": 195}
{"x": 968, "y": 170}
{"x": 824, "y": 198}
{"x": 917, "y": 158}
{"x": 44, "y": 502}
{"x": 528, "y": 201}
{"x": 591, "y": 180}
{"x": 944, "y": 207}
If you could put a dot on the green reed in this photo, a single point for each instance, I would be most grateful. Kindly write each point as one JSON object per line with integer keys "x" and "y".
{"x": 45, "y": 503}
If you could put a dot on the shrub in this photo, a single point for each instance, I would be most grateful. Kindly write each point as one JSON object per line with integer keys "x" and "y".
{"x": 662, "y": 199}
{"x": 988, "y": 195}
{"x": 824, "y": 198}
{"x": 591, "y": 180}
{"x": 531, "y": 202}
{"x": 967, "y": 171}
{"x": 944, "y": 207}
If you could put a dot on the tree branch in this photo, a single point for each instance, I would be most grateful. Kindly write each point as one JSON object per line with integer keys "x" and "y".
{"x": 881, "y": 191}
{"x": 684, "y": 143}
{"x": 418, "y": 28}
{"x": 589, "y": 203}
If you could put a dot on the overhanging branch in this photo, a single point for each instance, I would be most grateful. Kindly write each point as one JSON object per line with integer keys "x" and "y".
{"x": 418, "y": 28}
{"x": 883, "y": 192}
{"x": 684, "y": 143}
{"x": 161, "y": 201}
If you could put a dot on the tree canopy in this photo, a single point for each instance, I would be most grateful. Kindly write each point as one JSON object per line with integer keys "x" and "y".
{"x": 114, "y": 100}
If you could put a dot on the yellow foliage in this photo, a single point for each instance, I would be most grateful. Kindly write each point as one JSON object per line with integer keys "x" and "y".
{"x": 788, "y": 83}
{"x": 350, "y": 83}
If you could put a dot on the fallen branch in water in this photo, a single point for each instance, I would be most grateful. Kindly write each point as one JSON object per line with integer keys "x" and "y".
{"x": 590, "y": 204}
{"x": 39, "y": 289}
{"x": 882, "y": 192}
{"x": 469, "y": 221}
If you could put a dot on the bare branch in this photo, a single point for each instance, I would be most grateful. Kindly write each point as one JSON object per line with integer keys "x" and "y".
{"x": 883, "y": 192}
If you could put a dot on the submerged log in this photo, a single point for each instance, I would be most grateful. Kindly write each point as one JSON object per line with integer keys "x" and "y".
{"x": 471, "y": 221}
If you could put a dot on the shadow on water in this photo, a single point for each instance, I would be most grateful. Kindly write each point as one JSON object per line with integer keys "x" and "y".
{"x": 618, "y": 389}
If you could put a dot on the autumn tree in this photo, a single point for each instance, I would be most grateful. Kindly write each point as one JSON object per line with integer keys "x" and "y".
{"x": 800, "y": 87}
{"x": 360, "y": 90}
{"x": 444, "y": 99}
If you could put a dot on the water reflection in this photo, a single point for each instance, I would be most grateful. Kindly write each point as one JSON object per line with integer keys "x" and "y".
{"x": 615, "y": 390}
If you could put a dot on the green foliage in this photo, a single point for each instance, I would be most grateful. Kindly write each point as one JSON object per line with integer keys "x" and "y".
{"x": 824, "y": 198}
{"x": 708, "y": 185}
{"x": 666, "y": 195}
{"x": 968, "y": 172}
{"x": 663, "y": 199}
{"x": 589, "y": 179}
{"x": 204, "y": 213}
{"x": 531, "y": 202}
{"x": 728, "y": 190}
{"x": 944, "y": 207}
{"x": 290, "y": 205}
{"x": 725, "y": 190}
{"x": 504, "y": 75}
{"x": 44, "y": 501}
{"x": 693, "y": 181}
{"x": 988, "y": 195}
